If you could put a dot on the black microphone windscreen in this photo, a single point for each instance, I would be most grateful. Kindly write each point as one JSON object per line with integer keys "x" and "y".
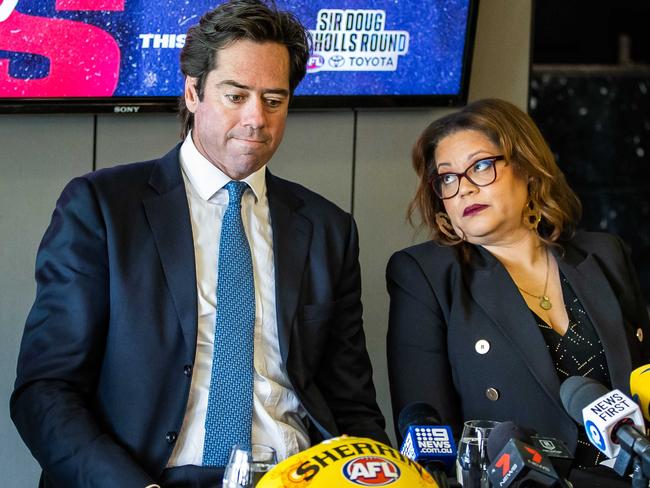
{"x": 501, "y": 434}
{"x": 577, "y": 392}
{"x": 417, "y": 413}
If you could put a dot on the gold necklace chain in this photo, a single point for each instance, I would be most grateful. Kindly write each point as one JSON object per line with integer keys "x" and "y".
{"x": 544, "y": 300}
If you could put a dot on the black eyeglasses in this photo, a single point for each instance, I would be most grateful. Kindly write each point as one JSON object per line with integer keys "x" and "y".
{"x": 481, "y": 172}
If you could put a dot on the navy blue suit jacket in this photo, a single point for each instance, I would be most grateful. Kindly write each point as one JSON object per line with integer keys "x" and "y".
{"x": 106, "y": 358}
{"x": 442, "y": 305}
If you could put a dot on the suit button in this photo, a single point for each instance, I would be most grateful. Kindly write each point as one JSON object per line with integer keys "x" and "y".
{"x": 492, "y": 394}
{"x": 639, "y": 334}
{"x": 170, "y": 437}
{"x": 187, "y": 370}
{"x": 482, "y": 346}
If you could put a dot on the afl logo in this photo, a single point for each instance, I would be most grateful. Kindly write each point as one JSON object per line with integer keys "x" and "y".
{"x": 316, "y": 61}
{"x": 371, "y": 471}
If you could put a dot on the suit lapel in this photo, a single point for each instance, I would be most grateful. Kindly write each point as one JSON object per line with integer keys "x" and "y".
{"x": 592, "y": 288}
{"x": 169, "y": 218}
{"x": 291, "y": 239}
{"x": 496, "y": 293}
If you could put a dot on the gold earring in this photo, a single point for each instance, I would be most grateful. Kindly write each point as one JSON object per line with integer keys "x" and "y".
{"x": 444, "y": 225}
{"x": 532, "y": 215}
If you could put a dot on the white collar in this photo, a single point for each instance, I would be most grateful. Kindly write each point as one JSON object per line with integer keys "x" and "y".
{"x": 207, "y": 179}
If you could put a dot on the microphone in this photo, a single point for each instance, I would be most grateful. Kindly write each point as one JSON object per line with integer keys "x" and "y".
{"x": 640, "y": 389}
{"x": 613, "y": 422}
{"x": 426, "y": 441}
{"x": 557, "y": 451}
{"x": 515, "y": 462}
{"x": 553, "y": 448}
{"x": 502, "y": 433}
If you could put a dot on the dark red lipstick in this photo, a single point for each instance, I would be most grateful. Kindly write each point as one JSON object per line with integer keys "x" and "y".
{"x": 473, "y": 209}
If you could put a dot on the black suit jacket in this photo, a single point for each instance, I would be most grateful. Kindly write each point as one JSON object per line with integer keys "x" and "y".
{"x": 442, "y": 306}
{"x": 106, "y": 358}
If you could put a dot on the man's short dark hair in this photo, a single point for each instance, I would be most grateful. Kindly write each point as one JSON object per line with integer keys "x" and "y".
{"x": 236, "y": 20}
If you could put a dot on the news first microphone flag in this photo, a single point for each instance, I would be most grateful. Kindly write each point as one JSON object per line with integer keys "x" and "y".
{"x": 347, "y": 461}
{"x": 604, "y": 414}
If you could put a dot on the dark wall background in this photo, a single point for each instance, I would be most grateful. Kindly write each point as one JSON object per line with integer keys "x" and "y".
{"x": 589, "y": 94}
{"x": 587, "y": 31}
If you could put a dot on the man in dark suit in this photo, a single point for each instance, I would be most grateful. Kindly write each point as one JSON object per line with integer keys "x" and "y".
{"x": 194, "y": 300}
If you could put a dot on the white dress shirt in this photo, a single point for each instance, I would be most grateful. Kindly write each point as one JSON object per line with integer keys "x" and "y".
{"x": 277, "y": 413}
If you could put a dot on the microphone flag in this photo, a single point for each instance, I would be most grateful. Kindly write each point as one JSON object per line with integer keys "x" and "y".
{"x": 518, "y": 461}
{"x": 430, "y": 443}
{"x": 605, "y": 414}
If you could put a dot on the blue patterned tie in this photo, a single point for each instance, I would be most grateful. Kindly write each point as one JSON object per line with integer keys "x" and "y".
{"x": 229, "y": 414}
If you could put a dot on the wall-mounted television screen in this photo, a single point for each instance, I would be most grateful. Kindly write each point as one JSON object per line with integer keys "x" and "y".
{"x": 122, "y": 55}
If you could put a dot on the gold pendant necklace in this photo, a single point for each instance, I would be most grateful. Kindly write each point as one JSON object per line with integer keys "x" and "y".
{"x": 544, "y": 300}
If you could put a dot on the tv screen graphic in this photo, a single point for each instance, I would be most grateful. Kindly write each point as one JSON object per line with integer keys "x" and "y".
{"x": 123, "y": 55}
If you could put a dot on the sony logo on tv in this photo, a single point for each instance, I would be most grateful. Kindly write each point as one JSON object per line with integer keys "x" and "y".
{"x": 126, "y": 109}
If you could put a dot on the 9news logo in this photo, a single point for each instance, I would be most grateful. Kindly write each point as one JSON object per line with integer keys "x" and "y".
{"x": 371, "y": 471}
{"x": 433, "y": 440}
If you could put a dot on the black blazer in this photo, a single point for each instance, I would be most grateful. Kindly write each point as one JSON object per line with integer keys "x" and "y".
{"x": 442, "y": 306}
{"x": 106, "y": 358}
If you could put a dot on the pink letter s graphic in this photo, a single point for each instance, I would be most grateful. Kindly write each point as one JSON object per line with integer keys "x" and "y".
{"x": 84, "y": 59}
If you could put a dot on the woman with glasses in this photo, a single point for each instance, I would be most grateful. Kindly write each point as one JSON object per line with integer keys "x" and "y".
{"x": 506, "y": 300}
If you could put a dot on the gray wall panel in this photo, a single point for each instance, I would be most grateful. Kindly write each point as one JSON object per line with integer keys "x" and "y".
{"x": 385, "y": 185}
{"x": 39, "y": 155}
{"x": 501, "y": 62}
{"x": 134, "y": 137}
{"x": 317, "y": 153}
